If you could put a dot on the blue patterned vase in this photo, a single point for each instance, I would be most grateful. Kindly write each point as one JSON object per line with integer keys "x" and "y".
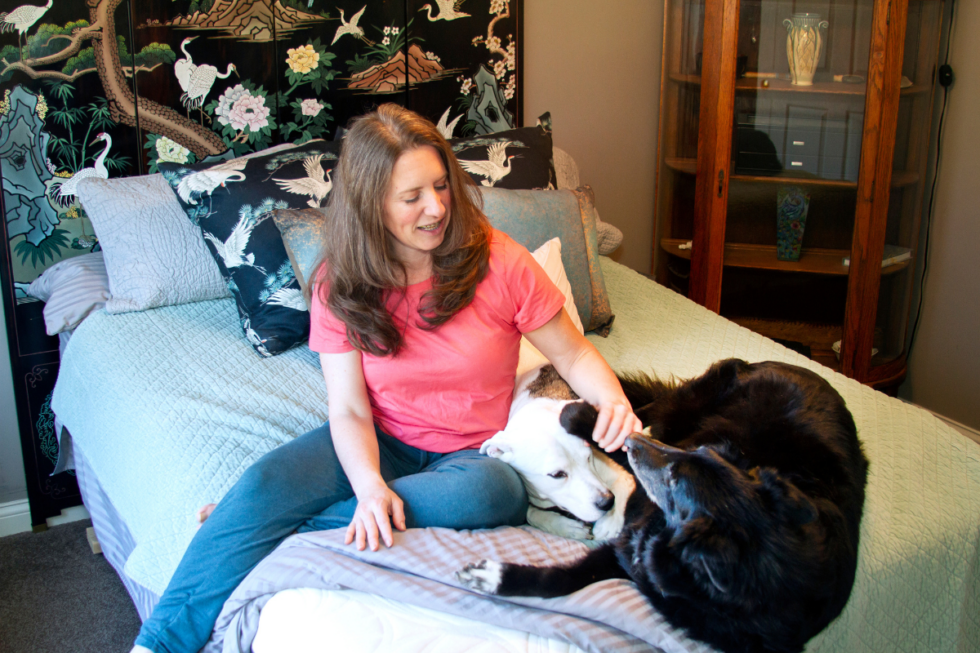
{"x": 792, "y": 203}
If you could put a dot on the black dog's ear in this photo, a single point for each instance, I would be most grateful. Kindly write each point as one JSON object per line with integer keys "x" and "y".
{"x": 579, "y": 418}
{"x": 708, "y": 552}
{"x": 785, "y": 498}
{"x": 718, "y": 571}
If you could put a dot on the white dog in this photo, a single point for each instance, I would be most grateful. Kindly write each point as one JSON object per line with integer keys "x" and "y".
{"x": 573, "y": 488}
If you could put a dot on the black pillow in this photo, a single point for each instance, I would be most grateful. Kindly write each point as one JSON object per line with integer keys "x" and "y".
{"x": 233, "y": 202}
{"x": 517, "y": 158}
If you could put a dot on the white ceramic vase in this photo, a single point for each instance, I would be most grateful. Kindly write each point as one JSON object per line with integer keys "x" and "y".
{"x": 803, "y": 44}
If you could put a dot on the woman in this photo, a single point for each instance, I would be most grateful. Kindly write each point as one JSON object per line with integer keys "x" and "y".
{"x": 417, "y": 317}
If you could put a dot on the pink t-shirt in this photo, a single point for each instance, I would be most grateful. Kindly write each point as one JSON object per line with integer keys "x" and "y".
{"x": 451, "y": 388}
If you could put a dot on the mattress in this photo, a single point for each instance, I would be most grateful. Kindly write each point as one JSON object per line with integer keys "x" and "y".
{"x": 176, "y": 393}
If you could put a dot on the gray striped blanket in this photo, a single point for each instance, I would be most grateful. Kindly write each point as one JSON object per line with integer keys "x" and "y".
{"x": 611, "y": 616}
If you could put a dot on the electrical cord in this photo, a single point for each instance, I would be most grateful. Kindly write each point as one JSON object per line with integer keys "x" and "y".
{"x": 945, "y": 79}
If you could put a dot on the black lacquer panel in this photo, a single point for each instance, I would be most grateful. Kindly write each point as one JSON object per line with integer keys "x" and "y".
{"x": 186, "y": 80}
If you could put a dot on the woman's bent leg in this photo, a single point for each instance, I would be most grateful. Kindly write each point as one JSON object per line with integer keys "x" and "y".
{"x": 274, "y": 496}
{"x": 463, "y": 490}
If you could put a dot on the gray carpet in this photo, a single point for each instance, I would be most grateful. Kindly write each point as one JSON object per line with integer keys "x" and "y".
{"x": 57, "y": 597}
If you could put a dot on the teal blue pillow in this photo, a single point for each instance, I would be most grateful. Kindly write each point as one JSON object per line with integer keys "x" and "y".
{"x": 302, "y": 234}
{"x": 533, "y": 217}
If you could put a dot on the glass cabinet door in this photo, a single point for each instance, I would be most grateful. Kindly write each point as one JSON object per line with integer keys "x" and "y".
{"x": 800, "y": 92}
{"x": 678, "y": 145}
{"x": 797, "y": 116}
{"x": 909, "y": 189}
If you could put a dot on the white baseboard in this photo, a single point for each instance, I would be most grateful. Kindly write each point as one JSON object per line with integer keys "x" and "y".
{"x": 15, "y": 517}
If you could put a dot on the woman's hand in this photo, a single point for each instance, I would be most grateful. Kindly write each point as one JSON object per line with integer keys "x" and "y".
{"x": 377, "y": 509}
{"x": 615, "y": 423}
{"x": 582, "y": 366}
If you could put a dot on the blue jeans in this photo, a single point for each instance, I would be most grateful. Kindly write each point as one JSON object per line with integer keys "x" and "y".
{"x": 301, "y": 486}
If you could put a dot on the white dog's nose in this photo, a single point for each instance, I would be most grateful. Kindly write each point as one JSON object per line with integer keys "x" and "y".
{"x": 605, "y": 502}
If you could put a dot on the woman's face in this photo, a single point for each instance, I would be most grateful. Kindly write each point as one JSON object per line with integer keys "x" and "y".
{"x": 417, "y": 205}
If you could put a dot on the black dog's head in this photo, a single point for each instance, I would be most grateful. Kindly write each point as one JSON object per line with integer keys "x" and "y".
{"x": 719, "y": 518}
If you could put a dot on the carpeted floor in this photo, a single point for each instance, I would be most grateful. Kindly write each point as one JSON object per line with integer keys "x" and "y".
{"x": 57, "y": 597}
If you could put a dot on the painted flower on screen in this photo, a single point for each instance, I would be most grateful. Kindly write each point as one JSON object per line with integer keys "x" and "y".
{"x": 249, "y": 111}
{"x": 227, "y": 100}
{"x": 168, "y": 150}
{"x": 311, "y": 107}
{"x": 303, "y": 59}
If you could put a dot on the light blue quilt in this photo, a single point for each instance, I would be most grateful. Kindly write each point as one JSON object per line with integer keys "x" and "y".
{"x": 170, "y": 405}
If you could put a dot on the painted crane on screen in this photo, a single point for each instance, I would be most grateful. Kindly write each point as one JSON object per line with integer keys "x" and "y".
{"x": 22, "y": 19}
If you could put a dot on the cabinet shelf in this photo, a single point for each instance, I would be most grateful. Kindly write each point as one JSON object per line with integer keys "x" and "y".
{"x": 763, "y": 257}
{"x": 819, "y": 338}
{"x": 780, "y": 85}
{"x": 900, "y": 178}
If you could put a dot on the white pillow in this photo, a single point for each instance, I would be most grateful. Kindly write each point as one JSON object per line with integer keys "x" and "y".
{"x": 71, "y": 289}
{"x": 154, "y": 255}
{"x": 548, "y": 257}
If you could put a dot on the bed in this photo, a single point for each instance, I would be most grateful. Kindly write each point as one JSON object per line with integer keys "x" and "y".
{"x": 164, "y": 407}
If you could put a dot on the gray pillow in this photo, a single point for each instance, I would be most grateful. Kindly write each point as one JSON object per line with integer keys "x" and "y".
{"x": 153, "y": 255}
{"x": 532, "y": 217}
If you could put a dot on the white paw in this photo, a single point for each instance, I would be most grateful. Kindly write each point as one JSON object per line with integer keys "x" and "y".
{"x": 574, "y": 529}
{"x": 483, "y": 576}
{"x": 608, "y": 526}
{"x": 557, "y": 524}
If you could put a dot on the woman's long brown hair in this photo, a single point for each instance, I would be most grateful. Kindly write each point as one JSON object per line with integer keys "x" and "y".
{"x": 361, "y": 267}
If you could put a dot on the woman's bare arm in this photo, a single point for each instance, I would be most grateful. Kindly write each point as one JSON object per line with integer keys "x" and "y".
{"x": 581, "y": 364}
{"x": 356, "y": 444}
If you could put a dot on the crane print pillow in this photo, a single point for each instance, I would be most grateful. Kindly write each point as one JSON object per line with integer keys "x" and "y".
{"x": 516, "y": 158}
{"x": 233, "y": 202}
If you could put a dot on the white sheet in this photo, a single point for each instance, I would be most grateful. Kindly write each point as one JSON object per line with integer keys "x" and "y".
{"x": 325, "y": 621}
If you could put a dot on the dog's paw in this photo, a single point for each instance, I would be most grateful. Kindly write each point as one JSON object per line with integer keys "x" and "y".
{"x": 575, "y": 530}
{"x": 608, "y": 526}
{"x": 483, "y": 576}
{"x": 557, "y": 524}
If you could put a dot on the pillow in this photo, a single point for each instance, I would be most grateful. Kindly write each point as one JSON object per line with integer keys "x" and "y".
{"x": 153, "y": 256}
{"x": 530, "y": 217}
{"x": 533, "y": 217}
{"x": 232, "y": 203}
{"x": 517, "y": 158}
{"x": 566, "y": 171}
{"x": 302, "y": 235}
{"x": 70, "y": 290}
{"x": 548, "y": 257}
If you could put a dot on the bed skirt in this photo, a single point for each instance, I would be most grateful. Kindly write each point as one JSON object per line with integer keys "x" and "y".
{"x": 114, "y": 536}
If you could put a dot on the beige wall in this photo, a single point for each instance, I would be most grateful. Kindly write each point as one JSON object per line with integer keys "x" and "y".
{"x": 944, "y": 368}
{"x": 596, "y": 67}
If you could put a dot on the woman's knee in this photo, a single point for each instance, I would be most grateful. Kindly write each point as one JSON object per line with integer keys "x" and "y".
{"x": 501, "y": 492}
{"x": 300, "y": 466}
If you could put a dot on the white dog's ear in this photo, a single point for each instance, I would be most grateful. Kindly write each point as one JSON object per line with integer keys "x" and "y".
{"x": 497, "y": 449}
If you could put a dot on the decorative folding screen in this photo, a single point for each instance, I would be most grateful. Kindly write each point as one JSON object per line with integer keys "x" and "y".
{"x": 184, "y": 80}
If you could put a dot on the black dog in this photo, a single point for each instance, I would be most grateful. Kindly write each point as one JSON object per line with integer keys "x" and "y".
{"x": 744, "y": 526}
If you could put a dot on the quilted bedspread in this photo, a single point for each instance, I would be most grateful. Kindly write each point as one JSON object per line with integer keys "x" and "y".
{"x": 170, "y": 405}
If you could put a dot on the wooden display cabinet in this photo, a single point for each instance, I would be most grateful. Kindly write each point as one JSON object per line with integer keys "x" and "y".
{"x": 737, "y": 134}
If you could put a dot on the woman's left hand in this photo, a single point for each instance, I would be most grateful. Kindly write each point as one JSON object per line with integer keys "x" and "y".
{"x": 615, "y": 423}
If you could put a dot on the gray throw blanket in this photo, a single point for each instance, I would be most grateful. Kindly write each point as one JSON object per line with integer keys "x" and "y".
{"x": 610, "y": 616}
